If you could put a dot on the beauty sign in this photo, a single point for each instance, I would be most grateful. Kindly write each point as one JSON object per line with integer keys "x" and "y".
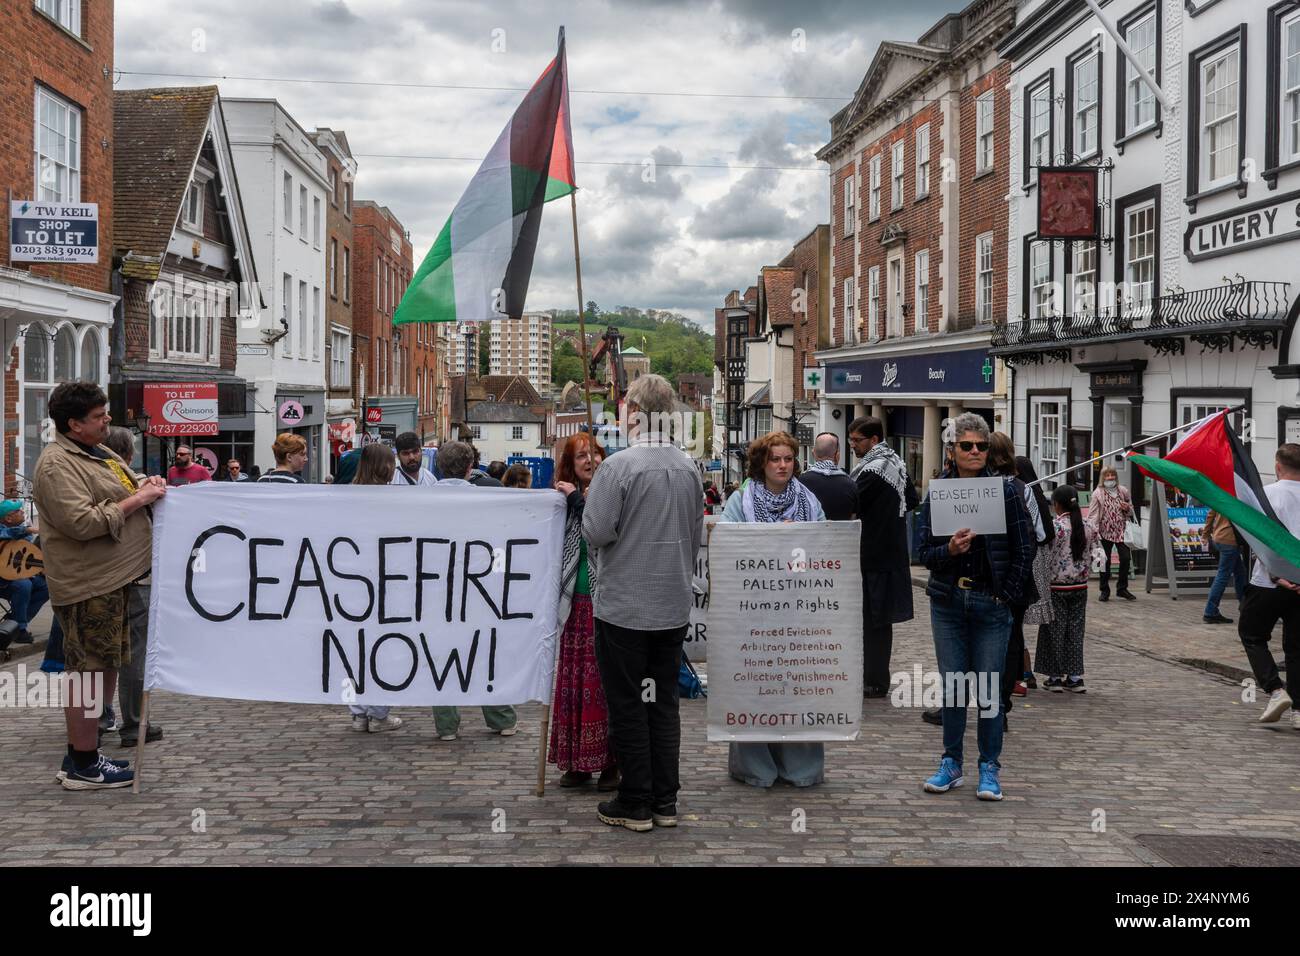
{"x": 974, "y": 503}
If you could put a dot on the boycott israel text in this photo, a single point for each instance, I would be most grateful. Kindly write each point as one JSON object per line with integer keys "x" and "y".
{"x": 369, "y": 595}
{"x": 785, "y": 631}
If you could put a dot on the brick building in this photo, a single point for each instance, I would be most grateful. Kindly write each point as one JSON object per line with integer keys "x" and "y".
{"x": 734, "y": 325}
{"x": 56, "y": 147}
{"x": 187, "y": 275}
{"x": 341, "y": 405}
{"x": 391, "y": 360}
{"x": 919, "y": 171}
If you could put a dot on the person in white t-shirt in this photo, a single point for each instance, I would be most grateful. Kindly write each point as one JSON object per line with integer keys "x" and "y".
{"x": 410, "y": 470}
{"x": 1269, "y": 599}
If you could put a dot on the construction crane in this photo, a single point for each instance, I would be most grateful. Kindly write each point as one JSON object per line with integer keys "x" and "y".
{"x": 611, "y": 347}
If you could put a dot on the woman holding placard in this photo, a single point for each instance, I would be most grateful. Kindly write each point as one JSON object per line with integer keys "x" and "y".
{"x": 580, "y": 721}
{"x": 773, "y": 493}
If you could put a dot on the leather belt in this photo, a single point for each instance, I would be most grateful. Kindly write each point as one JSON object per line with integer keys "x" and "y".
{"x": 972, "y": 584}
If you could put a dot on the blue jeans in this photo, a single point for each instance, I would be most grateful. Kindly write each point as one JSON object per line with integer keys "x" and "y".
{"x": 1230, "y": 566}
{"x": 970, "y": 637}
{"x": 26, "y": 598}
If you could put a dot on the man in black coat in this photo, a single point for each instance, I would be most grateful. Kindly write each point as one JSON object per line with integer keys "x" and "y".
{"x": 828, "y": 482}
{"x": 885, "y": 495}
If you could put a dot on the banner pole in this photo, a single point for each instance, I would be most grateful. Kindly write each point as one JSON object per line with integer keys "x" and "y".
{"x": 140, "y": 742}
{"x": 582, "y": 322}
{"x": 541, "y": 750}
{"x": 1128, "y": 447}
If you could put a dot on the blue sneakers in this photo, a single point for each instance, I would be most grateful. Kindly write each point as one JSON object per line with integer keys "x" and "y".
{"x": 67, "y": 767}
{"x": 989, "y": 788}
{"x": 945, "y": 778}
{"x": 104, "y": 774}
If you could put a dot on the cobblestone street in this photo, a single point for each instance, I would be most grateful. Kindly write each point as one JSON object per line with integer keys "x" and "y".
{"x": 1161, "y": 747}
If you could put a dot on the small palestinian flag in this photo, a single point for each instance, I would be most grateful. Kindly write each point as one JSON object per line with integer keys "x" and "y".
{"x": 479, "y": 265}
{"x": 1211, "y": 464}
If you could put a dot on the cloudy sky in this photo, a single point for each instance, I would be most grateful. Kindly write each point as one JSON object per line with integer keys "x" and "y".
{"x": 657, "y": 230}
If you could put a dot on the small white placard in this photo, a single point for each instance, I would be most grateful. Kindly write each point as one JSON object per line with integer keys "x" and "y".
{"x": 974, "y": 503}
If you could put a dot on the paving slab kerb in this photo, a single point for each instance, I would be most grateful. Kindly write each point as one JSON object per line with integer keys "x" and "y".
{"x": 1154, "y": 747}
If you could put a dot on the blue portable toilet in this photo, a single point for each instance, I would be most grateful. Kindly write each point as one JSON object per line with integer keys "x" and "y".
{"x": 543, "y": 469}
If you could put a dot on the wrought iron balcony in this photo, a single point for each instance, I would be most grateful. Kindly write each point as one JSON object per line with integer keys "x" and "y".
{"x": 1251, "y": 312}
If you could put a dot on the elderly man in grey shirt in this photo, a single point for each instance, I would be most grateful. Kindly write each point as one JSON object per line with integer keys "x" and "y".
{"x": 643, "y": 520}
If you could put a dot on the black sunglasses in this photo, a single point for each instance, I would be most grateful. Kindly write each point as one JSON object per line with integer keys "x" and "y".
{"x": 973, "y": 445}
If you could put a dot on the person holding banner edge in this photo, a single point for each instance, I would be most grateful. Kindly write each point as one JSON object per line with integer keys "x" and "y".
{"x": 456, "y": 458}
{"x": 377, "y": 467}
{"x": 579, "y": 744}
{"x": 774, "y": 493}
{"x": 97, "y": 537}
{"x": 975, "y": 579}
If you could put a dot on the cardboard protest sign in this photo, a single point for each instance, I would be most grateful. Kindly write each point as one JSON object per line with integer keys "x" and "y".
{"x": 785, "y": 631}
{"x": 974, "y": 503}
{"x": 356, "y": 594}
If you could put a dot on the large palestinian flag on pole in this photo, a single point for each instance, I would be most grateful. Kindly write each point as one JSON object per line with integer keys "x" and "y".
{"x": 480, "y": 263}
{"x": 1211, "y": 464}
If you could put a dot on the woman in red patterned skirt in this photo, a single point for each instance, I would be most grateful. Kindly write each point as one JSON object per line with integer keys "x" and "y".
{"x": 579, "y": 718}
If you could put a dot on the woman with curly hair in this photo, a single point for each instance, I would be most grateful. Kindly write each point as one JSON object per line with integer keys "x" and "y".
{"x": 774, "y": 493}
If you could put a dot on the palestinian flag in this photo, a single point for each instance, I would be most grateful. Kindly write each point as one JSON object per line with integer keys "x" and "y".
{"x": 479, "y": 265}
{"x": 1211, "y": 464}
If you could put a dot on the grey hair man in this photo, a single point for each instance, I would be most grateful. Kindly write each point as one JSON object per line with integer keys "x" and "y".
{"x": 456, "y": 461}
{"x": 827, "y": 481}
{"x": 644, "y": 518}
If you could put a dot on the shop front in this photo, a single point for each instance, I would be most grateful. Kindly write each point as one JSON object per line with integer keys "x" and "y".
{"x": 303, "y": 413}
{"x": 914, "y": 394}
{"x": 210, "y": 417}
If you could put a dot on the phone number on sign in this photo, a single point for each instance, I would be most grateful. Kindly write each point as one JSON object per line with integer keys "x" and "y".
{"x": 185, "y": 428}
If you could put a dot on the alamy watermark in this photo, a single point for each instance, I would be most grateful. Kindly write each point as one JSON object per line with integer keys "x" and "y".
{"x": 37, "y": 689}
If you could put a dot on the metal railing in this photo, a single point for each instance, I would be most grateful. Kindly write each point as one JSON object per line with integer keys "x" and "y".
{"x": 1219, "y": 308}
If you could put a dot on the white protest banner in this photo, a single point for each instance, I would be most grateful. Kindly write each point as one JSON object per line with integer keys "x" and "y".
{"x": 785, "y": 631}
{"x": 974, "y": 503}
{"x": 356, "y": 594}
{"x": 696, "y": 644}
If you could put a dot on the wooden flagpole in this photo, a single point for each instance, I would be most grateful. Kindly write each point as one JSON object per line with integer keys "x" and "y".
{"x": 582, "y": 322}
{"x": 140, "y": 742}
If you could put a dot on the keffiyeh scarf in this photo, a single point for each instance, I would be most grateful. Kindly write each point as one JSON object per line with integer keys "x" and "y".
{"x": 826, "y": 467}
{"x": 793, "y": 504}
{"x": 884, "y": 461}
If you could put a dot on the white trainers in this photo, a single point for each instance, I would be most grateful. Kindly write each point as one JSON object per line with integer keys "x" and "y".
{"x": 447, "y": 736}
{"x": 378, "y": 726}
{"x": 360, "y": 723}
{"x": 1279, "y": 702}
{"x": 1295, "y": 719}
{"x": 509, "y": 731}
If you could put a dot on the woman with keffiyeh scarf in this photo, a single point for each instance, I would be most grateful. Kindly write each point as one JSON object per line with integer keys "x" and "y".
{"x": 580, "y": 724}
{"x": 774, "y": 494}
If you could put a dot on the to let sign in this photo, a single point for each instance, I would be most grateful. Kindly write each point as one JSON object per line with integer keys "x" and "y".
{"x": 183, "y": 408}
{"x": 974, "y": 503}
{"x": 53, "y": 232}
{"x": 1244, "y": 227}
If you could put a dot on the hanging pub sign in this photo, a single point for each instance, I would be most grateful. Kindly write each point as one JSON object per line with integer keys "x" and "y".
{"x": 1067, "y": 203}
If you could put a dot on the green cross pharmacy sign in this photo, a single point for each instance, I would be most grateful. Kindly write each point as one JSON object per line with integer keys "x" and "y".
{"x": 812, "y": 379}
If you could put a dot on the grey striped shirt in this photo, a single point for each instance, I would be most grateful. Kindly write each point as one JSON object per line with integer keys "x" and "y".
{"x": 644, "y": 517}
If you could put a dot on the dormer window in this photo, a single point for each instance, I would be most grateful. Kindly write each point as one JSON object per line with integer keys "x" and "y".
{"x": 192, "y": 213}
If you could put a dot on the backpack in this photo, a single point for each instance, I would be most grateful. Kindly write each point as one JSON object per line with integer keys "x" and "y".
{"x": 688, "y": 682}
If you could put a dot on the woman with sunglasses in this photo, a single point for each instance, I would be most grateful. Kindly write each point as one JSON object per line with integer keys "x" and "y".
{"x": 975, "y": 580}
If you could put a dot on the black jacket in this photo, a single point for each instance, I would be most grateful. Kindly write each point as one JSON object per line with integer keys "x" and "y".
{"x": 1006, "y": 558}
{"x": 837, "y": 494}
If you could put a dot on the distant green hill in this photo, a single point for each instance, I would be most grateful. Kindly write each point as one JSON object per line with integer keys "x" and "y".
{"x": 676, "y": 345}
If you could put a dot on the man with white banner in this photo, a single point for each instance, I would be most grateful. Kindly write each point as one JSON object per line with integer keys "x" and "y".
{"x": 355, "y": 594}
